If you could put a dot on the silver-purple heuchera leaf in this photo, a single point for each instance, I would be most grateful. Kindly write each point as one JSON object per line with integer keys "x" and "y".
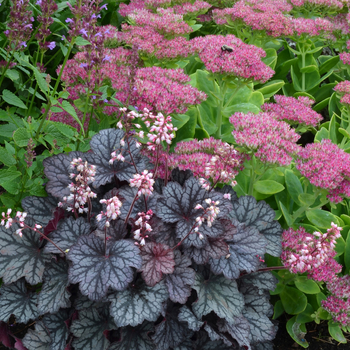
{"x": 180, "y": 176}
{"x": 135, "y": 338}
{"x": 180, "y": 282}
{"x": 16, "y": 300}
{"x": 263, "y": 280}
{"x": 157, "y": 259}
{"x": 170, "y": 333}
{"x": 22, "y": 256}
{"x": 186, "y": 315}
{"x": 40, "y": 209}
{"x": 187, "y": 344}
{"x": 204, "y": 343}
{"x": 216, "y": 335}
{"x": 50, "y": 333}
{"x": 54, "y": 294}
{"x": 245, "y": 248}
{"x": 217, "y": 294}
{"x": 260, "y": 216}
{"x": 67, "y": 233}
{"x": 89, "y": 329}
{"x": 102, "y": 145}
{"x": 239, "y": 330}
{"x": 57, "y": 169}
{"x": 38, "y": 339}
{"x": 138, "y": 303}
{"x": 95, "y": 270}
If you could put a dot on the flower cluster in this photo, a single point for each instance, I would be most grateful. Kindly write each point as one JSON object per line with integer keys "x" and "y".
{"x": 271, "y": 141}
{"x": 113, "y": 206}
{"x": 243, "y": 61}
{"x": 311, "y": 253}
{"x": 265, "y": 15}
{"x": 343, "y": 89}
{"x": 326, "y": 166}
{"x": 7, "y": 221}
{"x": 143, "y": 227}
{"x": 81, "y": 193}
{"x": 143, "y": 182}
{"x": 335, "y": 4}
{"x": 164, "y": 90}
{"x": 210, "y": 213}
{"x": 19, "y": 27}
{"x": 48, "y": 7}
{"x": 338, "y": 308}
{"x": 293, "y": 110}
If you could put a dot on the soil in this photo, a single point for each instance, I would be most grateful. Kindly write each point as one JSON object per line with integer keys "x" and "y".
{"x": 317, "y": 336}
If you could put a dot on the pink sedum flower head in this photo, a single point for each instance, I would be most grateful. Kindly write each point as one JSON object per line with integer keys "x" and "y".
{"x": 262, "y": 15}
{"x": 311, "y": 27}
{"x": 343, "y": 89}
{"x": 333, "y": 4}
{"x": 340, "y": 287}
{"x": 311, "y": 253}
{"x": 293, "y": 111}
{"x": 144, "y": 183}
{"x": 272, "y": 141}
{"x": 338, "y": 308}
{"x": 326, "y": 166}
{"x": 244, "y": 61}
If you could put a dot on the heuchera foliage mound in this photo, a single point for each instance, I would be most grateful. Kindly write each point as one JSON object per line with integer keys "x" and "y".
{"x": 181, "y": 288}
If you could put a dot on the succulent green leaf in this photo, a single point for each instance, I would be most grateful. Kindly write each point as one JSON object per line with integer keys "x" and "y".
{"x": 136, "y": 304}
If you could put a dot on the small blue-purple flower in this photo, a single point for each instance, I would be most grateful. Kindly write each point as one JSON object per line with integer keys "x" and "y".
{"x": 69, "y": 20}
{"x": 83, "y": 32}
{"x": 103, "y": 7}
{"x": 107, "y": 58}
{"x": 51, "y": 45}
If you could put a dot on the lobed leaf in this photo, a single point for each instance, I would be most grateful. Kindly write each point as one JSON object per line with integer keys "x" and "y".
{"x": 21, "y": 256}
{"x": 40, "y": 209}
{"x": 135, "y": 338}
{"x": 136, "y": 304}
{"x": 217, "y": 294}
{"x": 180, "y": 176}
{"x": 239, "y": 330}
{"x": 96, "y": 270}
{"x": 170, "y": 333}
{"x": 102, "y": 145}
{"x": 264, "y": 281}
{"x": 38, "y": 339}
{"x": 180, "y": 282}
{"x": 186, "y": 315}
{"x": 15, "y": 300}
{"x": 260, "y": 216}
{"x": 157, "y": 259}
{"x": 67, "y": 233}
{"x": 89, "y": 329}
{"x": 57, "y": 170}
{"x": 54, "y": 294}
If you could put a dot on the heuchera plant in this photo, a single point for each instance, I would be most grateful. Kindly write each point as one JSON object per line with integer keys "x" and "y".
{"x": 130, "y": 261}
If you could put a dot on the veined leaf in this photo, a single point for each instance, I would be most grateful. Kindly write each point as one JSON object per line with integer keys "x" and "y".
{"x": 96, "y": 270}
{"x": 217, "y": 294}
{"x": 136, "y": 304}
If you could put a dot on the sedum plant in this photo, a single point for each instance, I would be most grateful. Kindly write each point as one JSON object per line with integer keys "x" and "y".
{"x": 116, "y": 258}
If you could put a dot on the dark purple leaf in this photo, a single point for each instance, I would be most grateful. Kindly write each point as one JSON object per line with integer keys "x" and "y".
{"x": 103, "y": 144}
{"x": 96, "y": 270}
{"x": 164, "y": 233}
{"x": 260, "y": 216}
{"x": 40, "y": 209}
{"x": 187, "y": 344}
{"x": 54, "y": 294}
{"x": 216, "y": 335}
{"x": 217, "y": 294}
{"x": 19, "y": 345}
{"x": 186, "y": 315}
{"x": 5, "y": 338}
{"x": 170, "y": 333}
{"x": 116, "y": 231}
{"x": 38, "y": 339}
{"x": 57, "y": 170}
{"x": 135, "y": 338}
{"x": 245, "y": 248}
{"x": 239, "y": 330}
{"x": 58, "y": 215}
{"x": 158, "y": 185}
{"x": 16, "y": 300}
{"x": 67, "y": 233}
{"x": 136, "y": 304}
{"x": 89, "y": 330}
{"x": 157, "y": 259}
{"x": 204, "y": 343}
{"x": 21, "y": 256}
{"x": 179, "y": 283}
